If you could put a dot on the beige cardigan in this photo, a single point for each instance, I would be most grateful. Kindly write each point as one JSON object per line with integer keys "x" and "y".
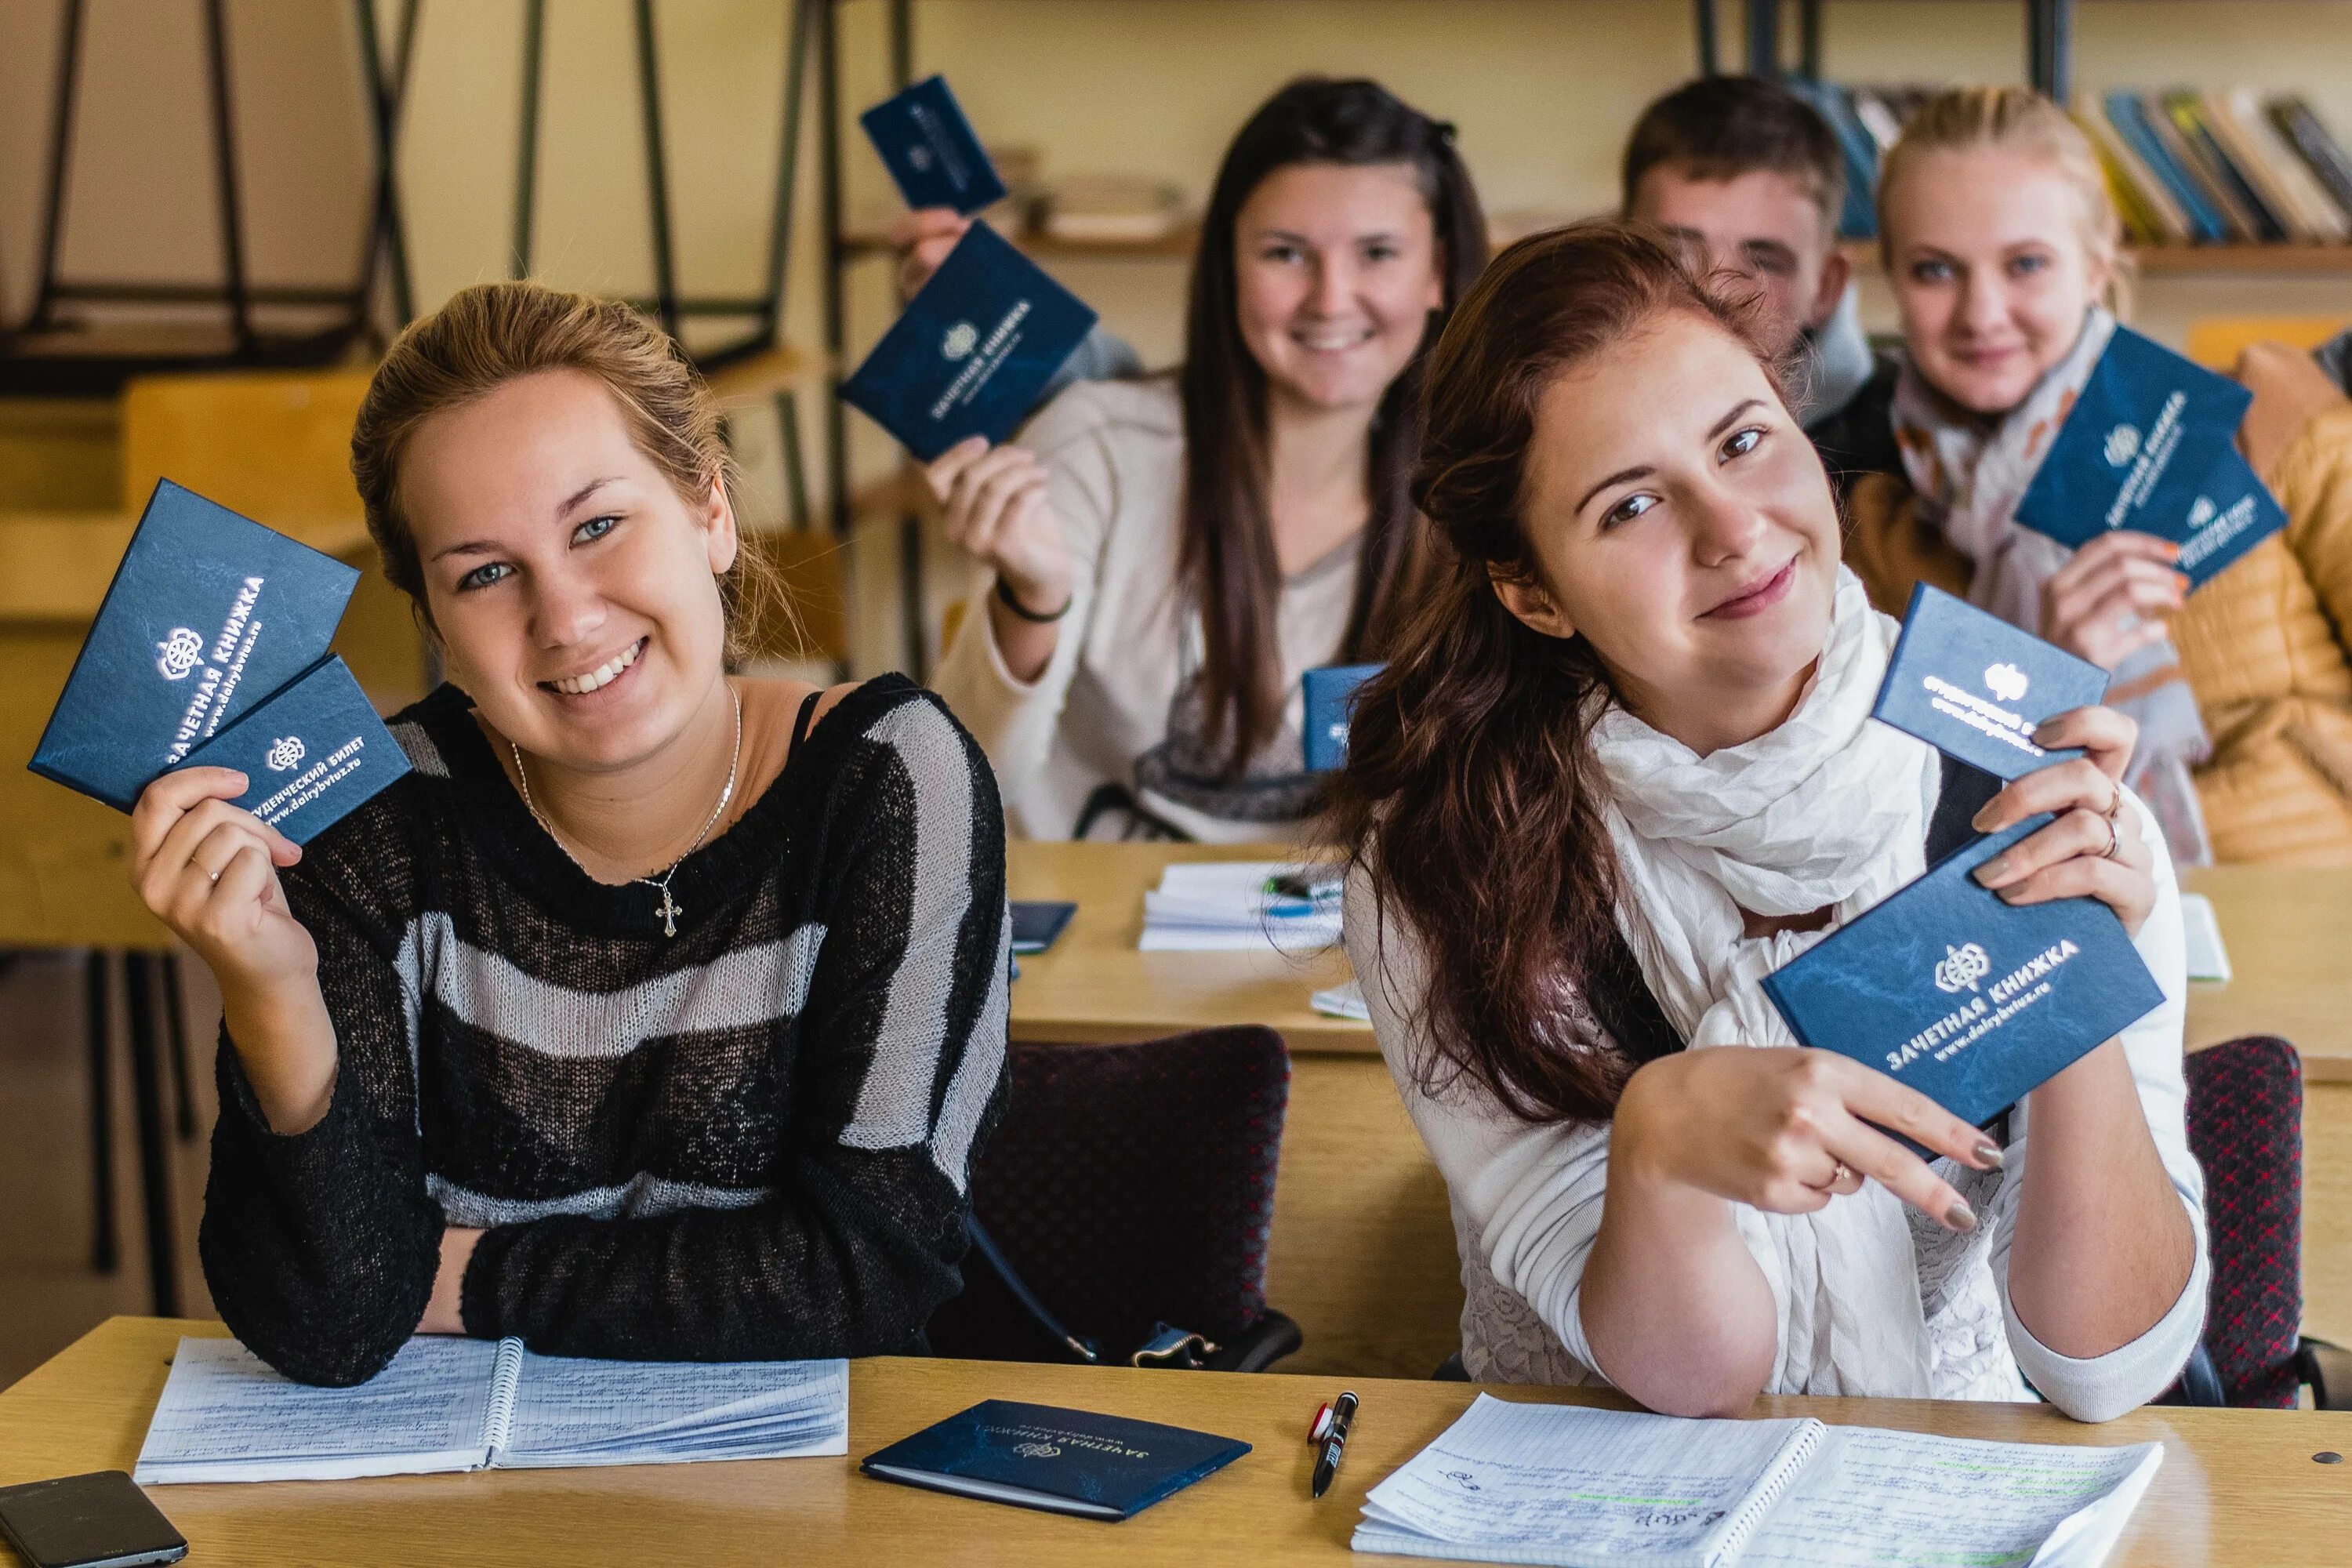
{"x": 1112, "y": 706}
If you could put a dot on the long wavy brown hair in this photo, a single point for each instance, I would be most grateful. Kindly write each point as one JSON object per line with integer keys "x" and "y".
{"x": 1471, "y": 797}
{"x": 1227, "y": 562}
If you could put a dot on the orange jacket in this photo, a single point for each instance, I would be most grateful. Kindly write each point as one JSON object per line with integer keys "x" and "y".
{"x": 2262, "y": 645}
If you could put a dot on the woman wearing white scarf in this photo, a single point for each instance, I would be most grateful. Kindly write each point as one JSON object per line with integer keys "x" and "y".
{"x": 1642, "y": 703}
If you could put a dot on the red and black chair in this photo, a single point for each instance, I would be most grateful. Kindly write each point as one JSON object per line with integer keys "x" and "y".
{"x": 2245, "y": 1127}
{"x": 1126, "y": 1189}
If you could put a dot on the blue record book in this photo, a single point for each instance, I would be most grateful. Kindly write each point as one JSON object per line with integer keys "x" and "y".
{"x": 2150, "y": 445}
{"x": 1975, "y": 687}
{"x": 208, "y": 614}
{"x": 1065, "y": 1461}
{"x": 1330, "y": 699}
{"x": 311, "y": 754}
{"x": 973, "y": 349}
{"x": 929, "y": 149}
{"x": 1971, "y": 1001}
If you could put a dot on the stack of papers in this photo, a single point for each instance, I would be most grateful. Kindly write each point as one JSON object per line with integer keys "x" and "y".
{"x": 1556, "y": 1484}
{"x": 1229, "y": 905}
{"x": 448, "y": 1403}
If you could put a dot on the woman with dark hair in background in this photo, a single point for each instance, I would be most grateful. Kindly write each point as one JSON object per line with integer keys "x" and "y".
{"x": 1167, "y": 556}
{"x": 1621, "y": 765}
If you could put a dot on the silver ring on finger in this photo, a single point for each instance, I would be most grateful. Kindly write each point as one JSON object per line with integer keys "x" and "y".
{"x": 2115, "y": 839}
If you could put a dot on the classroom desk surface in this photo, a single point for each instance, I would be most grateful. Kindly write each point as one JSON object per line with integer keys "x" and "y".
{"x": 2288, "y": 930}
{"x": 2236, "y": 1486}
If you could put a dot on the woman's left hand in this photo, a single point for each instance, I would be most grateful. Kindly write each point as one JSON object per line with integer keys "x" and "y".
{"x": 2094, "y": 849}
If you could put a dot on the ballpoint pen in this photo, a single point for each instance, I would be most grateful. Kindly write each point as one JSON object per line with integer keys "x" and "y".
{"x": 1333, "y": 1441}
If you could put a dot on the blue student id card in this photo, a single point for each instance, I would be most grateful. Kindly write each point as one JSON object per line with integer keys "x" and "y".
{"x": 2151, "y": 446}
{"x": 1975, "y": 687}
{"x": 208, "y": 614}
{"x": 311, "y": 755}
{"x": 1971, "y": 1001}
{"x": 929, "y": 149}
{"x": 973, "y": 349}
{"x": 1330, "y": 699}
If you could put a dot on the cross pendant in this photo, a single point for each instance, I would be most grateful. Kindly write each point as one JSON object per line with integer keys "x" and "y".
{"x": 669, "y": 912}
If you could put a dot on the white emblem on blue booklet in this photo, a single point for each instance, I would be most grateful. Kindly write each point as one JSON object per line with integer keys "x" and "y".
{"x": 1975, "y": 687}
{"x": 2151, "y": 446}
{"x": 930, "y": 149}
{"x": 974, "y": 349}
{"x": 208, "y": 614}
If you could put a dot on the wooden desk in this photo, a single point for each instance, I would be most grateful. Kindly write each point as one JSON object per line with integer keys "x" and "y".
{"x": 2289, "y": 932}
{"x": 1363, "y": 1248}
{"x": 2236, "y": 1486}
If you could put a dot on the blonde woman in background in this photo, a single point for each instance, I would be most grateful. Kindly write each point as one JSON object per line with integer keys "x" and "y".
{"x": 2001, "y": 246}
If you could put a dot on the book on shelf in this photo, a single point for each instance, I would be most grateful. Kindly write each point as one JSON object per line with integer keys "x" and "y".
{"x": 2326, "y": 223}
{"x": 2187, "y": 112}
{"x": 449, "y": 1404}
{"x": 2321, "y": 152}
{"x": 2127, "y": 114}
{"x": 1560, "y": 1484}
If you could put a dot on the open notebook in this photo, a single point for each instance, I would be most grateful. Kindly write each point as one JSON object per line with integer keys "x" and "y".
{"x": 468, "y": 1405}
{"x": 1560, "y": 1485}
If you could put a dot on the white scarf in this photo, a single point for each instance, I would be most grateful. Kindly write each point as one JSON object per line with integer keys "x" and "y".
{"x": 1830, "y": 810}
{"x": 1969, "y": 480}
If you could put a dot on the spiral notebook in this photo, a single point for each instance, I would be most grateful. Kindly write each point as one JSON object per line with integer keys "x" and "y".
{"x": 448, "y": 1404}
{"x": 1567, "y": 1487}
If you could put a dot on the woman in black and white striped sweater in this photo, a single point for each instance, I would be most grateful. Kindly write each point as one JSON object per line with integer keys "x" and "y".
{"x": 656, "y": 1014}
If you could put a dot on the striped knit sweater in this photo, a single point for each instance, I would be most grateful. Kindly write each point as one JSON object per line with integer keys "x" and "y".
{"x": 752, "y": 1140}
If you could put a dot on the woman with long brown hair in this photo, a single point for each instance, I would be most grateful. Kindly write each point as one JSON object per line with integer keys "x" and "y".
{"x": 1166, "y": 557}
{"x": 1619, "y": 767}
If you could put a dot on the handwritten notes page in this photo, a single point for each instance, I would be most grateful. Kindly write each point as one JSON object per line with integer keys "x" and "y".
{"x": 225, "y": 1417}
{"x": 1565, "y": 1486}
{"x": 448, "y": 1404}
{"x": 1872, "y": 1496}
{"x": 572, "y": 1412}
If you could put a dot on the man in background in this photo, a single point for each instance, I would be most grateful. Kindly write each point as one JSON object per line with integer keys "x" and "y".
{"x": 1748, "y": 179}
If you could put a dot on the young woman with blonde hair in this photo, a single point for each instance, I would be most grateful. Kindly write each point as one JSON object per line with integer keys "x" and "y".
{"x": 2001, "y": 245}
{"x": 657, "y": 1012}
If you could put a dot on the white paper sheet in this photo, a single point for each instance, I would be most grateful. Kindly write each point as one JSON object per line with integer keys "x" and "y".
{"x": 1873, "y": 1496}
{"x": 224, "y": 1415}
{"x": 1563, "y": 1485}
{"x": 580, "y": 1412}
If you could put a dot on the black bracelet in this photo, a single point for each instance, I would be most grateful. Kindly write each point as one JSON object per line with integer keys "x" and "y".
{"x": 1005, "y": 595}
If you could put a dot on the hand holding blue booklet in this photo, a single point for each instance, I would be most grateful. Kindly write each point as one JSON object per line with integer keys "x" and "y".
{"x": 974, "y": 349}
{"x": 2151, "y": 446}
{"x": 1975, "y": 687}
{"x": 1064, "y": 1461}
{"x": 210, "y": 648}
{"x": 1945, "y": 986}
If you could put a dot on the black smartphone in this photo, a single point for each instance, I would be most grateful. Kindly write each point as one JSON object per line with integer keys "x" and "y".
{"x": 1036, "y": 923}
{"x": 98, "y": 1521}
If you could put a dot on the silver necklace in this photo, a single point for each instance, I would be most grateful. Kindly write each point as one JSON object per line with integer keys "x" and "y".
{"x": 670, "y": 909}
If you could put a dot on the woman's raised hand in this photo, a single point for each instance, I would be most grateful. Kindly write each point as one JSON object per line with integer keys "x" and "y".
{"x": 925, "y": 236}
{"x": 209, "y": 871}
{"x": 2110, "y": 601}
{"x": 1787, "y": 1129}
{"x": 995, "y": 500}
{"x": 2094, "y": 849}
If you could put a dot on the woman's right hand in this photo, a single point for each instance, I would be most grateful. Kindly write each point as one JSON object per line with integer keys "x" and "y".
{"x": 1773, "y": 1127}
{"x": 996, "y": 508}
{"x": 2110, "y": 600}
{"x": 209, "y": 871}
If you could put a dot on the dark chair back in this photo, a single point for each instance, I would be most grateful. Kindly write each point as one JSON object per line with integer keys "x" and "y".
{"x": 1127, "y": 1186}
{"x": 2245, "y": 1127}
